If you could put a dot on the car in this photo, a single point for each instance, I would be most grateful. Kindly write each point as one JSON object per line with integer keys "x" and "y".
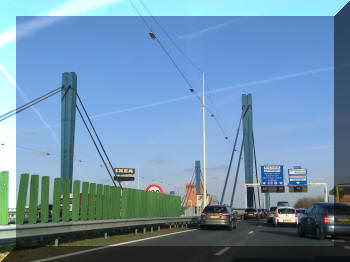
{"x": 325, "y": 219}
{"x": 271, "y": 214}
{"x": 285, "y": 215}
{"x": 282, "y": 204}
{"x": 261, "y": 213}
{"x": 301, "y": 212}
{"x": 250, "y": 212}
{"x": 218, "y": 215}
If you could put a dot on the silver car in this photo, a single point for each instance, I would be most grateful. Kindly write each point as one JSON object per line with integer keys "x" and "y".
{"x": 270, "y": 214}
{"x": 218, "y": 215}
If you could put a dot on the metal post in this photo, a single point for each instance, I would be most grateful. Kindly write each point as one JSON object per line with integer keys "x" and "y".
{"x": 68, "y": 108}
{"x": 138, "y": 178}
{"x": 204, "y": 156}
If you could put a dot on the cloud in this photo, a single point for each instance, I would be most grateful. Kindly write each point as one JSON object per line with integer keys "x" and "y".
{"x": 211, "y": 28}
{"x": 27, "y": 131}
{"x": 69, "y": 8}
{"x": 214, "y": 168}
{"x": 157, "y": 160}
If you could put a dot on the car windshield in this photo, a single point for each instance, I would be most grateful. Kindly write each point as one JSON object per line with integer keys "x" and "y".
{"x": 286, "y": 210}
{"x": 250, "y": 210}
{"x": 339, "y": 210}
{"x": 215, "y": 209}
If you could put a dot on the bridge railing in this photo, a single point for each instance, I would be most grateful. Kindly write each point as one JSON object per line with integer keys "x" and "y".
{"x": 88, "y": 201}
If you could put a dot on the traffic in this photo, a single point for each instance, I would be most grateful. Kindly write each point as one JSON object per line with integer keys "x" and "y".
{"x": 320, "y": 220}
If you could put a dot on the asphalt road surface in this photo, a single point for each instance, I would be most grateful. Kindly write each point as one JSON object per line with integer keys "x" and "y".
{"x": 251, "y": 241}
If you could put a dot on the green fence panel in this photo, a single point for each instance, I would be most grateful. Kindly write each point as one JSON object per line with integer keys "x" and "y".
{"x": 84, "y": 201}
{"x": 56, "y": 204}
{"x": 116, "y": 202}
{"x": 105, "y": 202}
{"x": 66, "y": 200}
{"x": 76, "y": 200}
{"x": 33, "y": 199}
{"x": 22, "y": 198}
{"x": 99, "y": 202}
{"x": 110, "y": 209}
{"x": 124, "y": 202}
{"x": 4, "y": 197}
{"x": 92, "y": 201}
{"x": 44, "y": 203}
{"x": 138, "y": 203}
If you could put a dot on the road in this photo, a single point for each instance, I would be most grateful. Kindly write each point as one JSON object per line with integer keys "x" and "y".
{"x": 252, "y": 240}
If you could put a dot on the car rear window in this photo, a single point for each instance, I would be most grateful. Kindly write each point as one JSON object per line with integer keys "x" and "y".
{"x": 339, "y": 210}
{"x": 273, "y": 209}
{"x": 286, "y": 210}
{"x": 250, "y": 210}
{"x": 215, "y": 209}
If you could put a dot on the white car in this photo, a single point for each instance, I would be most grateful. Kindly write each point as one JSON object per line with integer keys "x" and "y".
{"x": 285, "y": 215}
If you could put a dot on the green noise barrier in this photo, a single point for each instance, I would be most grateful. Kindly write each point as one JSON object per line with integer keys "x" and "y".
{"x": 90, "y": 201}
{"x": 22, "y": 198}
{"x": 4, "y": 197}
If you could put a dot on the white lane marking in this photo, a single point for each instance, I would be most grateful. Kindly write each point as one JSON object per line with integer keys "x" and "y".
{"x": 107, "y": 246}
{"x": 338, "y": 240}
{"x": 251, "y": 232}
{"x": 219, "y": 253}
{"x": 347, "y": 247}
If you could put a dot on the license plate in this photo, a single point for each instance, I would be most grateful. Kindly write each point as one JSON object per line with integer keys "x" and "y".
{"x": 287, "y": 220}
{"x": 214, "y": 216}
{"x": 343, "y": 219}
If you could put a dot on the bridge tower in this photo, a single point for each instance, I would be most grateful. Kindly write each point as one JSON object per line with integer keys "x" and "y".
{"x": 68, "y": 108}
{"x": 248, "y": 146}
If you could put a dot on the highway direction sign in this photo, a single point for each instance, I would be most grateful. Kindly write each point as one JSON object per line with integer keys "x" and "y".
{"x": 297, "y": 176}
{"x": 272, "y": 175}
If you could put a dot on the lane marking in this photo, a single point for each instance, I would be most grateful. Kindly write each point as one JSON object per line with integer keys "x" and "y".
{"x": 339, "y": 240}
{"x": 108, "y": 246}
{"x": 347, "y": 247}
{"x": 251, "y": 232}
{"x": 222, "y": 251}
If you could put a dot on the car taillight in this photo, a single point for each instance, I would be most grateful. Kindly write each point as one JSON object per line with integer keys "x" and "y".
{"x": 296, "y": 214}
{"x": 204, "y": 214}
{"x": 276, "y": 214}
{"x": 255, "y": 213}
{"x": 225, "y": 214}
{"x": 326, "y": 220}
{"x": 245, "y": 213}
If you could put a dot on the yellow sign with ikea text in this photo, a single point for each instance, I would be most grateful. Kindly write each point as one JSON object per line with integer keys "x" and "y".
{"x": 124, "y": 171}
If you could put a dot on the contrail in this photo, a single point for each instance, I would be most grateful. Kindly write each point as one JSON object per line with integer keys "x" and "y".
{"x": 24, "y": 97}
{"x": 69, "y": 8}
{"x": 218, "y": 90}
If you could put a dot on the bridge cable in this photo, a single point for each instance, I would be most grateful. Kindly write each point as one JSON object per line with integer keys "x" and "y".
{"x": 239, "y": 162}
{"x": 232, "y": 154}
{"x": 32, "y": 103}
{"x": 98, "y": 138}
{"x": 256, "y": 168}
{"x": 98, "y": 150}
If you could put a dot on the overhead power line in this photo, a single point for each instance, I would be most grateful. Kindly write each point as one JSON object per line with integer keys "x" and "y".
{"x": 191, "y": 89}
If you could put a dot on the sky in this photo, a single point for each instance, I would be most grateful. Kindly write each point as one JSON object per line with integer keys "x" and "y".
{"x": 142, "y": 108}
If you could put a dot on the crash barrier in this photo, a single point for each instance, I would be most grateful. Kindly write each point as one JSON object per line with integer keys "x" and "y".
{"x": 12, "y": 233}
{"x": 88, "y": 201}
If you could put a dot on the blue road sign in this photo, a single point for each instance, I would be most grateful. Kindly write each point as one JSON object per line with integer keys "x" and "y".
{"x": 297, "y": 177}
{"x": 272, "y": 175}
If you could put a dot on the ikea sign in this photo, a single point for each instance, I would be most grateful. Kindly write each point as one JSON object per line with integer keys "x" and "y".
{"x": 124, "y": 171}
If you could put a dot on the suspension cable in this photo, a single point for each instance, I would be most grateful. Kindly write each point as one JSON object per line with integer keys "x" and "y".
{"x": 232, "y": 154}
{"x": 97, "y": 136}
{"x": 32, "y": 103}
{"x": 256, "y": 169}
{"x": 98, "y": 150}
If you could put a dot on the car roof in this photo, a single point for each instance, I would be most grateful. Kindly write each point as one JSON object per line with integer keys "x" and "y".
{"x": 285, "y": 207}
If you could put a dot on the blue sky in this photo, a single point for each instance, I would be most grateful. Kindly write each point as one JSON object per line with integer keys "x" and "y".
{"x": 285, "y": 62}
{"x": 120, "y": 67}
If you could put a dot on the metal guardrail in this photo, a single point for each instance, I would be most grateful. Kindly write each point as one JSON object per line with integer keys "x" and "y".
{"x": 12, "y": 232}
